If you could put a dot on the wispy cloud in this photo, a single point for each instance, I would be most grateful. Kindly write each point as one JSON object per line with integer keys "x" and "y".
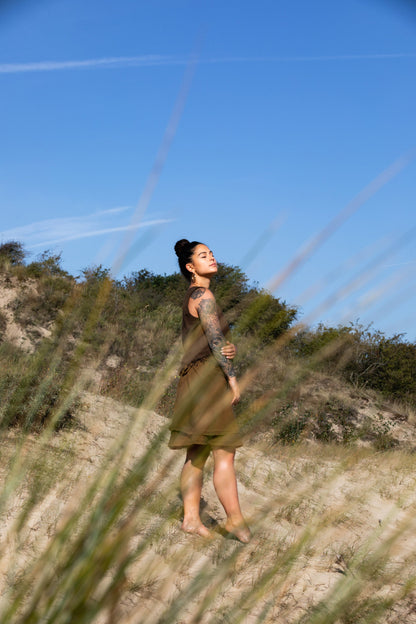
{"x": 105, "y": 63}
{"x": 53, "y": 231}
{"x": 152, "y": 60}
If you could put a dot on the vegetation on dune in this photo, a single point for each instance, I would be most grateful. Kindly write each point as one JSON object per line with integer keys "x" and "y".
{"x": 110, "y": 549}
{"x": 12, "y": 253}
{"x": 365, "y": 357}
{"x": 136, "y": 320}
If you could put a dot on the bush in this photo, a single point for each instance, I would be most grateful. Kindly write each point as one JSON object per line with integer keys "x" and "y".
{"x": 336, "y": 421}
{"x": 265, "y": 317}
{"x": 153, "y": 291}
{"x": 230, "y": 286}
{"x": 12, "y": 252}
{"x": 48, "y": 264}
{"x": 289, "y": 425}
{"x": 389, "y": 367}
{"x": 363, "y": 357}
{"x": 331, "y": 420}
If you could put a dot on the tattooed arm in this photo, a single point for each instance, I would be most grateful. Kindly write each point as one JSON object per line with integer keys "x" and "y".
{"x": 204, "y": 303}
{"x": 228, "y": 349}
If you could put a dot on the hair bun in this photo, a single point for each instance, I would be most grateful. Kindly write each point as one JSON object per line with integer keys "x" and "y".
{"x": 180, "y": 246}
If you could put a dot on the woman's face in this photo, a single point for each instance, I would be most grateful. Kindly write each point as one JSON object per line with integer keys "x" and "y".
{"x": 203, "y": 262}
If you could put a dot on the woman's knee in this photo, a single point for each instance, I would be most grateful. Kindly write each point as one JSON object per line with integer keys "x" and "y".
{"x": 223, "y": 458}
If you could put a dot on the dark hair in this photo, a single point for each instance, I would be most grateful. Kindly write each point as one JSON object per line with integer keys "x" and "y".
{"x": 184, "y": 250}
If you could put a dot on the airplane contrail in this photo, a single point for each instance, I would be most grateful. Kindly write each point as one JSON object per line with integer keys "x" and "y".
{"x": 156, "y": 60}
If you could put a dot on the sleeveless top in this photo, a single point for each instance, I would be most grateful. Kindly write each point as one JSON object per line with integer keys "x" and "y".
{"x": 195, "y": 343}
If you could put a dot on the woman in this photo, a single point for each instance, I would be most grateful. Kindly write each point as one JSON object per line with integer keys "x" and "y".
{"x": 203, "y": 419}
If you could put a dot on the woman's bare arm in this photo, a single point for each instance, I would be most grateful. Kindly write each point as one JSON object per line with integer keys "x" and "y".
{"x": 205, "y": 306}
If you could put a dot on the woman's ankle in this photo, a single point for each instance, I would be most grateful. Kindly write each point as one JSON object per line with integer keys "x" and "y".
{"x": 236, "y": 520}
{"x": 196, "y": 527}
{"x": 238, "y": 528}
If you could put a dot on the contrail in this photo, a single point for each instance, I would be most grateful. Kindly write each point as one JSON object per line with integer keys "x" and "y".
{"x": 156, "y": 60}
{"x": 121, "y": 228}
{"x": 106, "y": 62}
{"x": 53, "y": 231}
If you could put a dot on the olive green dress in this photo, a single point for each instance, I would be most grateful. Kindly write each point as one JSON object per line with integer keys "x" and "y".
{"x": 202, "y": 413}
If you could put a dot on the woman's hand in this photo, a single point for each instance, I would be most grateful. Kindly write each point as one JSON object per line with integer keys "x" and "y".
{"x": 229, "y": 351}
{"x": 233, "y": 383}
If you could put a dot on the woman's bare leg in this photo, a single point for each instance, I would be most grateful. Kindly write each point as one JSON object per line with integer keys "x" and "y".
{"x": 191, "y": 488}
{"x": 225, "y": 484}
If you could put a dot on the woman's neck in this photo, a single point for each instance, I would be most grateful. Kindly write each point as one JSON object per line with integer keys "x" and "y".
{"x": 202, "y": 282}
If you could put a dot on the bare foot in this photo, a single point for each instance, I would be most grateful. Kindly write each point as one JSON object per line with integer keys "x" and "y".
{"x": 197, "y": 529}
{"x": 239, "y": 531}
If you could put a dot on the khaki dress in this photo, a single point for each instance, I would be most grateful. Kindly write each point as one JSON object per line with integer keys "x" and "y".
{"x": 202, "y": 413}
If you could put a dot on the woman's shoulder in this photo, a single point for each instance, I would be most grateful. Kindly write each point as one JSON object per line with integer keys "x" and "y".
{"x": 199, "y": 292}
{"x": 200, "y": 299}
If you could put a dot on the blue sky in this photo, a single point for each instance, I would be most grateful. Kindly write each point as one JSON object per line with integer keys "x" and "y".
{"x": 251, "y": 126}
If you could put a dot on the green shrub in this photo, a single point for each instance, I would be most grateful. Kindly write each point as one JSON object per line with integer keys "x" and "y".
{"x": 330, "y": 421}
{"x": 152, "y": 291}
{"x": 231, "y": 286}
{"x": 47, "y": 264}
{"x": 389, "y": 368}
{"x": 264, "y": 316}
{"x": 363, "y": 357}
{"x": 289, "y": 425}
{"x": 12, "y": 253}
{"x": 336, "y": 421}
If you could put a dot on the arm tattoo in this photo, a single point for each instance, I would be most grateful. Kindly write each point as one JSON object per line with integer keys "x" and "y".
{"x": 211, "y": 326}
{"x": 198, "y": 293}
